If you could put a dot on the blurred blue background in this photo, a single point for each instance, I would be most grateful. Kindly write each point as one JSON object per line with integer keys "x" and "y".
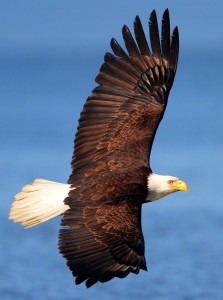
{"x": 50, "y": 53}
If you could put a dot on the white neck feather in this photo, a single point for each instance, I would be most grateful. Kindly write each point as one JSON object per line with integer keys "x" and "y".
{"x": 158, "y": 186}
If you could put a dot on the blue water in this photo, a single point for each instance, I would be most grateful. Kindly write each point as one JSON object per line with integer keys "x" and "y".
{"x": 41, "y": 97}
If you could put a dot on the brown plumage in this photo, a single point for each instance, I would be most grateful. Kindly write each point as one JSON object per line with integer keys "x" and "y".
{"x": 102, "y": 235}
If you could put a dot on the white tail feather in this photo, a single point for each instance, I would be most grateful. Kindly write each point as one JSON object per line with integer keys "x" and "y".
{"x": 39, "y": 202}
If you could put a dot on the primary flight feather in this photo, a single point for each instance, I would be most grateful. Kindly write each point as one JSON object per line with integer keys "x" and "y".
{"x": 101, "y": 235}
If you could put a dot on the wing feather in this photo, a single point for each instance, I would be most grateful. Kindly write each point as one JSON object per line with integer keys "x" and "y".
{"x": 174, "y": 49}
{"x": 165, "y": 40}
{"x": 141, "y": 38}
{"x": 154, "y": 35}
{"x": 117, "y": 49}
{"x": 133, "y": 50}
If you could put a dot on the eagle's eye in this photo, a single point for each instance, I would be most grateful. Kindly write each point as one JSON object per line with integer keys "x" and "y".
{"x": 170, "y": 181}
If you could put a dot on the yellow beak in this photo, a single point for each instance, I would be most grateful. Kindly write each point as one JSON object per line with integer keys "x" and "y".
{"x": 179, "y": 185}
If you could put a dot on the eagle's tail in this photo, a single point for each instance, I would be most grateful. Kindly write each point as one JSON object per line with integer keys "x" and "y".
{"x": 39, "y": 202}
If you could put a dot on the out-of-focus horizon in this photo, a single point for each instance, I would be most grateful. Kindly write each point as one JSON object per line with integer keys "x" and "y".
{"x": 49, "y": 56}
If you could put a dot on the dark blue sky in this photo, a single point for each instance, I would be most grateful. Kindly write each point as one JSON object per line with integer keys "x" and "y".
{"x": 40, "y": 25}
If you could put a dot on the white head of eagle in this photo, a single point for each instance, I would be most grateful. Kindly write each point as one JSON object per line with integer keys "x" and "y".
{"x": 160, "y": 186}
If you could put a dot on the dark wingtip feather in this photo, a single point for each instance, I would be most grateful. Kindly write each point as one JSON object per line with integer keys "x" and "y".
{"x": 165, "y": 37}
{"x": 166, "y": 11}
{"x": 80, "y": 279}
{"x": 140, "y": 37}
{"x": 91, "y": 281}
{"x": 117, "y": 49}
{"x": 144, "y": 267}
{"x": 137, "y": 19}
{"x": 129, "y": 42}
{"x": 152, "y": 13}
{"x": 154, "y": 34}
{"x": 174, "y": 52}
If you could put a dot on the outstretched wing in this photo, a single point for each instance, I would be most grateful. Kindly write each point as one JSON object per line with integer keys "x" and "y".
{"x": 103, "y": 237}
{"x": 121, "y": 116}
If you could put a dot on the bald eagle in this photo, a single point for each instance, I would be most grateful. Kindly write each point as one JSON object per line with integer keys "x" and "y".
{"x": 101, "y": 235}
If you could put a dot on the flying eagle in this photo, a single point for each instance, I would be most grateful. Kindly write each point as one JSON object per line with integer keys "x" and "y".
{"x": 101, "y": 236}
